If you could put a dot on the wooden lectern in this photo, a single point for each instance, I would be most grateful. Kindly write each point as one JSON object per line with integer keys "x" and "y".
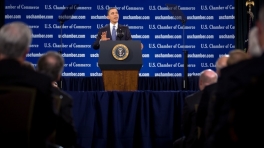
{"x": 120, "y": 62}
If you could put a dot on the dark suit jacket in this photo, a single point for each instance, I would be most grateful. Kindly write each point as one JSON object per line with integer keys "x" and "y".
{"x": 65, "y": 131}
{"x": 204, "y": 104}
{"x": 44, "y": 117}
{"x": 202, "y": 111}
{"x": 234, "y": 92}
{"x": 189, "y": 119}
{"x": 233, "y": 78}
{"x": 125, "y": 29}
{"x": 208, "y": 125}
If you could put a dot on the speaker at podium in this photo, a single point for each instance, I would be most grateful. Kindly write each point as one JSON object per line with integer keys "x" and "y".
{"x": 120, "y": 63}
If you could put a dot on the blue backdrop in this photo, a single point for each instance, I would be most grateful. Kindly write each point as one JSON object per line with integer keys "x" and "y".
{"x": 208, "y": 33}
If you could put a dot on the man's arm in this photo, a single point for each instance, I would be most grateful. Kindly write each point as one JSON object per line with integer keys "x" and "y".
{"x": 101, "y": 36}
{"x": 96, "y": 44}
{"x": 203, "y": 107}
{"x": 128, "y": 34}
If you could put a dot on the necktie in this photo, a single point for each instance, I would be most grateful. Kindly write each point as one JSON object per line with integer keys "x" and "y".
{"x": 114, "y": 34}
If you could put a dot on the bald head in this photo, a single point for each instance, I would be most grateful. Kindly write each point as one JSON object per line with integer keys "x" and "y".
{"x": 221, "y": 63}
{"x": 51, "y": 64}
{"x": 236, "y": 55}
{"x": 207, "y": 77}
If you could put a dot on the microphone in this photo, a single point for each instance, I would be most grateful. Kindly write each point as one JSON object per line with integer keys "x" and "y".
{"x": 120, "y": 33}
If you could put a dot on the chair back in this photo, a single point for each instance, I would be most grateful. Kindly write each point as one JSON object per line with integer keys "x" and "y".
{"x": 16, "y": 110}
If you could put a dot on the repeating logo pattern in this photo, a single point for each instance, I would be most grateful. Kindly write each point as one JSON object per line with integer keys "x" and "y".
{"x": 71, "y": 29}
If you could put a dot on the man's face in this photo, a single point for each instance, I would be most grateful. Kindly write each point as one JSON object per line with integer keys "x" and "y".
{"x": 113, "y": 16}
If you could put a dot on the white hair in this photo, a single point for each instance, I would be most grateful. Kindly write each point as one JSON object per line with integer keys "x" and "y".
{"x": 15, "y": 38}
{"x": 253, "y": 43}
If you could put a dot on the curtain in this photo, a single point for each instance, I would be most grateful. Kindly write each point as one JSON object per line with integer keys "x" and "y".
{"x": 2, "y": 12}
{"x": 144, "y": 83}
{"x": 142, "y": 119}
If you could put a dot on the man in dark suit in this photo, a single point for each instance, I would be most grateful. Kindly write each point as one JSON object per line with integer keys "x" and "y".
{"x": 15, "y": 39}
{"x": 205, "y": 99}
{"x": 111, "y": 31}
{"x": 191, "y": 102}
{"x": 234, "y": 80}
{"x": 238, "y": 107}
{"x": 205, "y": 112}
{"x": 52, "y": 64}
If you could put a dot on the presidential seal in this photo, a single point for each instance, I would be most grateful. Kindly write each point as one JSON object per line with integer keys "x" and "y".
{"x": 120, "y": 52}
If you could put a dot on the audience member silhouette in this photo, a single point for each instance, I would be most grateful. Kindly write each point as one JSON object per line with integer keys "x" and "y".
{"x": 52, "y": 64}
{"x": 191, "y": 102}
{"x": 238, "y": 114}
{"x": 206, "y": 101}
{"x": 15, "y": 38}
{"x": 205, "y": 115}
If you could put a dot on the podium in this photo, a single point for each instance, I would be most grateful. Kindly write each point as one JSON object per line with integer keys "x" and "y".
{"x": 120, "y": 62}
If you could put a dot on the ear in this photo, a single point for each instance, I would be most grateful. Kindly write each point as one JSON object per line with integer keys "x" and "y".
{"x": 25, "y": 53}
{"x": 107, "y": 17}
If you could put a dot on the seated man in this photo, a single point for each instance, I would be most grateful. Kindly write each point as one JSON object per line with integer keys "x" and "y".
{"x": 15, "y": 39}
{"x": 191, "y": 102}
{"x": 52, "y": 64}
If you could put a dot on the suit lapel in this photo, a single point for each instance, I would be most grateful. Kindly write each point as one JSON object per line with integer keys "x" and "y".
{"x": 108, "y": 35}
{"x": 121, "y": 28}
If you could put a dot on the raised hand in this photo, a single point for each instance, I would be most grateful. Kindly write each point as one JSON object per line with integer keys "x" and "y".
{"x": 103, "y": 36}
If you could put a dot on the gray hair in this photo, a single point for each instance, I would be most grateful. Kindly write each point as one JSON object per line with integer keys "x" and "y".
{"x": 15, "y": 39}
{"x": 221, "y": 62}
{"x": 236, "y": 56}
{"x": 51, "y": 64}
{"x": 254, "y": 48}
